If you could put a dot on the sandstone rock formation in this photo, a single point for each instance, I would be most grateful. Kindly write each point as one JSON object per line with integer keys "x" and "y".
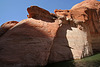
{"x": 93, "y": 20}
{"x": 75, "y": 40}
{"x": 6, "y": 26}
{"x": 40, "y": 14}
{"x": 46, "y": 37}
{"x": 28, "y": 42}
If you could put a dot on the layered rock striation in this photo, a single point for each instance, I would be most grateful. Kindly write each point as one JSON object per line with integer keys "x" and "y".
{"x": 47, "y": 38}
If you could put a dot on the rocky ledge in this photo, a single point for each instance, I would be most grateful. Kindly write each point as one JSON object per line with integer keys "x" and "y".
{"x": 51, "y": 37}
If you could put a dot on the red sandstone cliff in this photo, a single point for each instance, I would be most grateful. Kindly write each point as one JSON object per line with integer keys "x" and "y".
{"x": 46, "y": 38}
{"x": 93, "y": 22}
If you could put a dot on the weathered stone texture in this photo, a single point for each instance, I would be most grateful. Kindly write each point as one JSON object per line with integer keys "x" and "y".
{"x": 6, "y": 26}
{"x": 46, "y": 37}
{"x": 40, "y": 14}
{"x": 93, "y": 21}
{"x": 29, "y": 42}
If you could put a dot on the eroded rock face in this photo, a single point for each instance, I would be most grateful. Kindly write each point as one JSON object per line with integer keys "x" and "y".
{"x": 28, "y": 43}
{"x": 6, "y": 26}
{"x": 77, "y": 15}
{"x": 93, "y": 21}
{"x": 73, "y": 40}
{"x": 46, "y": 37}
{"x": 89, "y": 12}
{"x": 40, "y": 14}
{"x": 92, "y": 4}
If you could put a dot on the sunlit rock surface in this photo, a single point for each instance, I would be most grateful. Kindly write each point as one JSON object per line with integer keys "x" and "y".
{"x": 6, "y": 26}
{"x": 93, "y": 20}
{"x": 47, "y": 38}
